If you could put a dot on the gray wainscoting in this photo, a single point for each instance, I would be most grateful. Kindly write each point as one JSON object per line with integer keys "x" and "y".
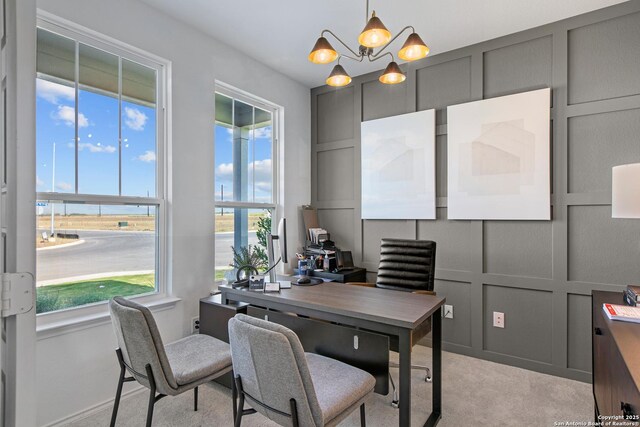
{"x": 539, "y": 273}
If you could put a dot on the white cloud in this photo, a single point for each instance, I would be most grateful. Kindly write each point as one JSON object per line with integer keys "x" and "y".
{"x": 64, "y": 186}
{"x": 135, "y": 119}
{"x": 148, "y": 157}
{"x": 260, "y": 168}
{"x": 39, "y": 182}
{"x": 263, "y": 132}
{"x": 225, "y": 170}
{"x": 68, "y": 116}
{"x": 262, "y": 171}
{"x": 96, "y": 148}
{"x": 53, "y": 92}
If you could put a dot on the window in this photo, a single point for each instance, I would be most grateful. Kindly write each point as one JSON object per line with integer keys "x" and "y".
{"x": 99, "y": 170}
{"x": 245, "y": 179}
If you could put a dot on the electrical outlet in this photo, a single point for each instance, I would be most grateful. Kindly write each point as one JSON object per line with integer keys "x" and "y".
{"x": 195, "y": 325}
{"x": 448, "y": 311}
{"x": 498, "y": 319}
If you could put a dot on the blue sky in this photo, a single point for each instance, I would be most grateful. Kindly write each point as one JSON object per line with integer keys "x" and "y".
{"x": 260, "y": 163}
{"x": 97, "y": 145}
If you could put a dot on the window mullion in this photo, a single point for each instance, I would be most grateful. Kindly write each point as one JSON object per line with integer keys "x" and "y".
{"x": 253, "y": 154}
{"x": 120, "y": 125}
{"x": 76, "y": 112}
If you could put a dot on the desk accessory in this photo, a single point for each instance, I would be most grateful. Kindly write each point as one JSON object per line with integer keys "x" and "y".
{"x": 256, "y": 282}
{"x": 272, "y": 287}
{"x": 243, "y": 276}
{"x": 307, "y": 281}
{"x": 622, "y": 312}
{"x": 632, "y": 295}
{"x": 281, "y": 237}
{"x": 303, "y": 280}
{"x": 303, "y": 267}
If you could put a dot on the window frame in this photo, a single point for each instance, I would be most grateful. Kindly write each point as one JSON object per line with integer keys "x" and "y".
{"x": 162, "y": 294}
{"x": 276, "y": 118}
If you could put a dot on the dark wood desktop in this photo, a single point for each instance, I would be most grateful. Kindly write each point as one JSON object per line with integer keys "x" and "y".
{"x": 616, "y": 363}
{"x": 377, "y": 310}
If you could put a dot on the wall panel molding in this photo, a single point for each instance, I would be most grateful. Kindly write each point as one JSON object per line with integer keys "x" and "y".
{"x": 541, "y": 274}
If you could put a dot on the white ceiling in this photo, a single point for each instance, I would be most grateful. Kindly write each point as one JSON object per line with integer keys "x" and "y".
{"x": 280, "y": 33}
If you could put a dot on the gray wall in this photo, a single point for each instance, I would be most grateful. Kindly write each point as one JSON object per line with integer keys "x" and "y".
{"x": 539, "y": 273}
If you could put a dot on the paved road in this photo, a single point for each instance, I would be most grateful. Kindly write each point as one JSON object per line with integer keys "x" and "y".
{"x": 113, "y": 251}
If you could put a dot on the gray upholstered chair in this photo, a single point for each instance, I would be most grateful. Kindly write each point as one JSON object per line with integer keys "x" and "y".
{"x": 409, "y": 266}
{"x": 168, "y": 370}
{"x": 291, "y": 387}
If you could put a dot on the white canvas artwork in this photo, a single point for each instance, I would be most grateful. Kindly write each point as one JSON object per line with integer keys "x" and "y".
{"x": 398, "y": 167}
{"x": 498, "y": 154}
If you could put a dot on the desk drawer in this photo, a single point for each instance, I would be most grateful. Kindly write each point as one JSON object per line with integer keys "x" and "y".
{"x": 625, "y": 398}
{"x": 337, "y": 342}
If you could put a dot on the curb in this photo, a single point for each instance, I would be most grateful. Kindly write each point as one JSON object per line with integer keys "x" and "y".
{"x": 65, "y": 280}
{"x": 66, "y": 245}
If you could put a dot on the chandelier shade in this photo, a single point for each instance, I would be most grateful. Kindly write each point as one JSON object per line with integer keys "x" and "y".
{"x": 323, "y": 52}
{"x": 414, "y": 48}
{"x": 392, "y": 74}
{"x": 338, "y": 77}
{"x": 374, "y": 44}
{"x": 374, "y": 34}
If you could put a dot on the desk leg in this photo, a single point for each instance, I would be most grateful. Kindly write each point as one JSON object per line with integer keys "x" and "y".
{"x": 223, "y": 298}
{"x": 436, "y": 348}
{"x": 405, "y": 377}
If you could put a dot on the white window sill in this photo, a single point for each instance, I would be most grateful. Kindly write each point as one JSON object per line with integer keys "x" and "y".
{"x": 52, "y": 324}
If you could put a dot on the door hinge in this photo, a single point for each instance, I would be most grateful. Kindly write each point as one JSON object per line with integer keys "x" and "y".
{"x": 16, "y": 293}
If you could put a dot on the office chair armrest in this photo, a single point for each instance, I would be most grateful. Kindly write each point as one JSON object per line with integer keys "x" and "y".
{"x": 365, "y": 284}
{"x": 424, "y": 292}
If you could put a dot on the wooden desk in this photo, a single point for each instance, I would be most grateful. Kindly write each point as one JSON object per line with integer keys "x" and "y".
{"x": 616, "y": 362}
{"x": 379, "y": 310}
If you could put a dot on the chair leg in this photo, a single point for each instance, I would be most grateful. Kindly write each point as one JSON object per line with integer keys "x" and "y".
{"x": 395, "y": 402}
{"x": 427, "y": 377}
{"x": 363, "y": 421}
{"x": 116, "y": 403}
{"x": 195, "y": 399}
{"x": 294, "y": 413}
{"x": 152, "y": 395}
{"x": 240, "y": 408}
{"x": 234, "y": 396}
{"x": 152, "y": 401}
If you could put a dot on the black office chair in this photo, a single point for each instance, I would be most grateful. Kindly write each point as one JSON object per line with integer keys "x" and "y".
{"x": 409, "y": 266}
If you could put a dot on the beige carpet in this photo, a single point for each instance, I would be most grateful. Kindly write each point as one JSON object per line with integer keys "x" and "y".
{"x": 475, "y": 393}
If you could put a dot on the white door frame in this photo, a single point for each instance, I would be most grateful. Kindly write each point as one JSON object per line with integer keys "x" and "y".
{"x": 17, "y": 218}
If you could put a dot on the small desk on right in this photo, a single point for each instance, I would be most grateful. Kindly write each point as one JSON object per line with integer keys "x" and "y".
{"x": 616, "y": 363}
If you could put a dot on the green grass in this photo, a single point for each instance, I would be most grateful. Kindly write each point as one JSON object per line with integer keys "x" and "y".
{"x": 58, "y": 297}
{"x": 220, "y": 273}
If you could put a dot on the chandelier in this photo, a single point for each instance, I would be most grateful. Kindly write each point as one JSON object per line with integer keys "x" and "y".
{"x": 374, "y": 35}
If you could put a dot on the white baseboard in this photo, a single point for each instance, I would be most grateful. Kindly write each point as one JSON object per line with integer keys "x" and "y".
{"x": 92, "y": 410}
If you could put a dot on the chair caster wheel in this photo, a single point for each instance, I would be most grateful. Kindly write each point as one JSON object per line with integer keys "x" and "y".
{"x": 395, "y": 404}
{"x": 427, "y": 379}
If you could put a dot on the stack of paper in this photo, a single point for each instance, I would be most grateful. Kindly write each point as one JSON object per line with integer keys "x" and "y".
{"x": 318, "y": 235}
{"x": 622, "y": 312}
